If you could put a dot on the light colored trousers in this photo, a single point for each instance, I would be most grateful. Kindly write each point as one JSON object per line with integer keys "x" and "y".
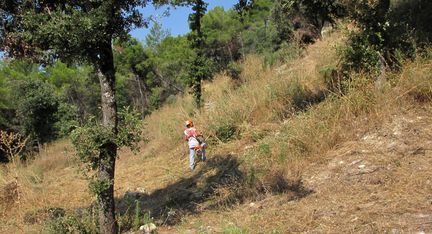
{"x": 192, "y": 156}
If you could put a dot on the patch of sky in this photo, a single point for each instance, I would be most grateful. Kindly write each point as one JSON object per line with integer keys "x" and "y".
{"x": 175, "y": 20}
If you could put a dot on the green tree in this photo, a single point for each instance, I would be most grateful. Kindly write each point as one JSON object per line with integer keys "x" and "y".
{"x": 281, "y": 17}
{"x": 156, "y": 36}
{"x": 14, "y": 72}
{"x": 4, "y": 93}
{"x": 37, "y": 106}
{"x": 390, "y": 31}
{"x": 130, "y": 60}
{"x": 222, "y": 37}
{"x": 168, "y": 59}
{"x": 365, "y": 46}
{"x": 321, "y": 11}
{"x": 242, "y": 8}
{"x": 259, "y": 33}
{"x": 78, "y": 31}
{"x": 309, "y": 16}
{"x": 76, "y": 85}
{"x": 169, "y": 63}
{"x": 199, "y": 69}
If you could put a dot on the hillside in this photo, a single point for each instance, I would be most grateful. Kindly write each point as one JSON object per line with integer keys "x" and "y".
{"x": 295, "y": 158}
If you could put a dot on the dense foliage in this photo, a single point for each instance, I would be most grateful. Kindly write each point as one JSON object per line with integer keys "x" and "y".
{"x": 390, "y": 31}
{"x": 36, "y": 109}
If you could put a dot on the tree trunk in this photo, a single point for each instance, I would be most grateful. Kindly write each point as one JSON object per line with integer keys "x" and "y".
{"x": 143, "y": 99}
{"x": 197, "y": 92}
{"x": 108, "y": 152}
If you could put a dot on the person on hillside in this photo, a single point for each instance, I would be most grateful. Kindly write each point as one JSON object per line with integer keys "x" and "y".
{"x": 196, "y": 147}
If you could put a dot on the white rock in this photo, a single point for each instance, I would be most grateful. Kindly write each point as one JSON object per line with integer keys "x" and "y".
{"x": 248, "y": 147}
{"x": 148, "y": 228}
{"x": 362, "y": 166}
{"x": 142, "y": 190}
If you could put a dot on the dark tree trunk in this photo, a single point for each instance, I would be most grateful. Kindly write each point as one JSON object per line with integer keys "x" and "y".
{"x": 197, "y": 92}
{"x": 108, "y": 152}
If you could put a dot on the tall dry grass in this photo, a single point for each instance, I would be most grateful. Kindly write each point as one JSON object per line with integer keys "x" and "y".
{"x": 269, "y": 96}
{"x": 49, "y": 181}
{"x": 275, "y": 124}
{"x": 265, "y": 96}
{"x": 250, "y": 115}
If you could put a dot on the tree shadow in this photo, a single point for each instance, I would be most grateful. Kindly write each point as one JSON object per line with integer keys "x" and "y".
{"x": 218, "y": 182}
{"x": 215, "y": 183}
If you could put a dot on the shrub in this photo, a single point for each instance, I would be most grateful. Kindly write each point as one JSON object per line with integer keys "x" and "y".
{"x": 224, "y": 132}
{"x": 389, "y": 30}
{"x": 234, "y": 70}
{"x": 91, "y": 138}
{"x": 12, "y": 144}
{"x": 232, "y": 229}
{"x": 155, "y": 99}
{"x": 37, "y": 106}
{"x": 360, "y": 54}
{"x": 71, "y": 223}
{"x": 67, "y": 116}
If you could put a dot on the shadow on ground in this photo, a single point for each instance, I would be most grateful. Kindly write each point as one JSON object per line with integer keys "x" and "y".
{"x": 218, "y": 182}
{"x": 215, "y": 183}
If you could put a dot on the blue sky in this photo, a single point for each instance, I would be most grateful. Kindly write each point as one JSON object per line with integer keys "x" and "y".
{"x": 176, "y": 22}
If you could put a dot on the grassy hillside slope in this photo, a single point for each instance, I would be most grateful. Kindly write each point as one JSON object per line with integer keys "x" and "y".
{"x": 285, "y": 155}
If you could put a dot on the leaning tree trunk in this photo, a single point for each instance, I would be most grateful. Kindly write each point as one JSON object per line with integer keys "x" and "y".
{"x": 108, "y": 152}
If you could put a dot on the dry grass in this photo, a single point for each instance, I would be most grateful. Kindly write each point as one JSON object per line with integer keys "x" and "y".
{"x": 391, "y": 192}
{"x": 366, "y": 158}
{"x": 265, "y": 96}
{"x": 285, "y": 156}
{"x": 49, "y": 181}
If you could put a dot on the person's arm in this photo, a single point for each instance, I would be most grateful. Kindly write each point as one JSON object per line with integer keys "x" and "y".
{"x": 185, "y": 136}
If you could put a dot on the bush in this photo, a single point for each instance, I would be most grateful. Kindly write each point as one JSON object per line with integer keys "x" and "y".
{"x": 391, "y": 30}
{"x": 67, "y": 117}
{"x": 360, "y": 55}
{"x": 71, "y": 223}
{"x": 224, "y": 132}
{"x": 37, "y": 106}
{"x": 292, "y": 97}
{"x": 234, "y": 70}
{"x": 232, "y": 229}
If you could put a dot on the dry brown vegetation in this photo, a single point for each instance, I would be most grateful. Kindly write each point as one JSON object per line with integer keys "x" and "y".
{"x": 286, "y": 155}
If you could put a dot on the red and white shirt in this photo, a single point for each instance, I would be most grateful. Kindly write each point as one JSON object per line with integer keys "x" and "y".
{"x": 190, "y": 136}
